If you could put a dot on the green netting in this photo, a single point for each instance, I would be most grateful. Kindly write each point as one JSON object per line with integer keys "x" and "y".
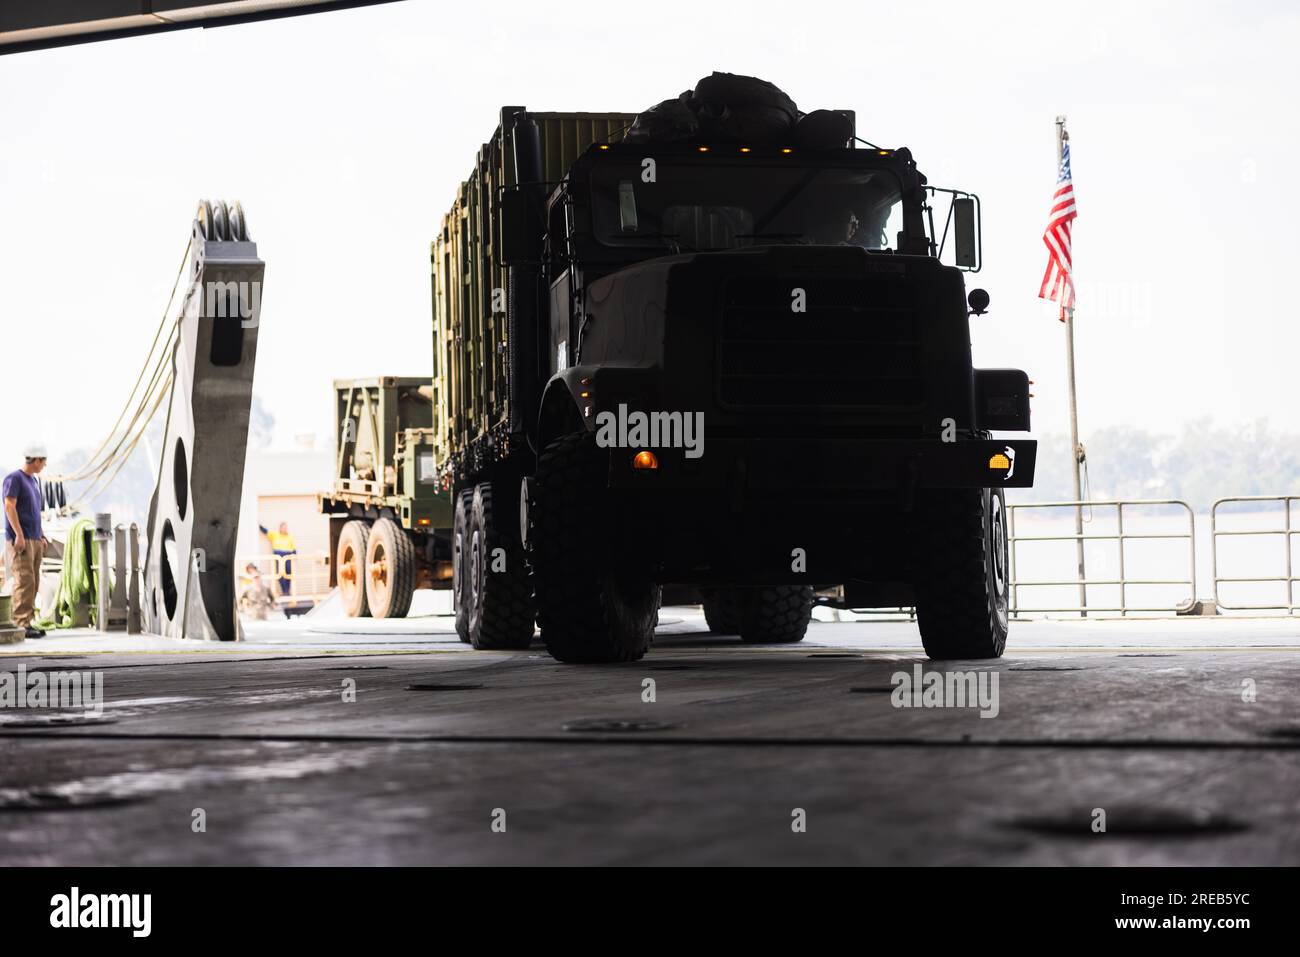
{"x": 76, "y": 583}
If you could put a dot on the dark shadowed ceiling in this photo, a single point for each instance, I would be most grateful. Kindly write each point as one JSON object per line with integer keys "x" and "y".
{"x": 36, "y": 24}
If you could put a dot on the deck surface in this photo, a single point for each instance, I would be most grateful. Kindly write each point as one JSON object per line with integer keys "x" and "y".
{"x": 1145, "y": 720}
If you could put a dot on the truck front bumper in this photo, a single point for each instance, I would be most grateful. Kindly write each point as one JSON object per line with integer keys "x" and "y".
{"x": 738, "y": 464}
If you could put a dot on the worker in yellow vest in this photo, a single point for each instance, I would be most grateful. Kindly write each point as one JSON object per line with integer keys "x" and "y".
{"x": 282, "y": 546}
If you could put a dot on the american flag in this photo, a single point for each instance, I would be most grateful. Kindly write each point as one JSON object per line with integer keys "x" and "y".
{"x": 1058, "y": 284}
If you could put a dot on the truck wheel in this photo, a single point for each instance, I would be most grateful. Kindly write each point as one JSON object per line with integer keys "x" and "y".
{"x": 961, "y": 578}
{"x": 349, "y": 568}
{"x": 769, "y": 615}
{"x": 591, "y": 608}
{"x": 390, "y": 570}
{"x": 776, "y": 614}
{"x": 460, "y": 562}
{"x": 722, "y": 610}
{"x": 500, "y": 593}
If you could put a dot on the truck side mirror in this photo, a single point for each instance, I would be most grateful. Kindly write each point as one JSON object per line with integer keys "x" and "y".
{"x": 965, "y": 235}
{"x": 517, "y": 239}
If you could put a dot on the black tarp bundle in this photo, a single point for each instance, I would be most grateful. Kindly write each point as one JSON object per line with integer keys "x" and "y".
{"x": 730, "y": 108}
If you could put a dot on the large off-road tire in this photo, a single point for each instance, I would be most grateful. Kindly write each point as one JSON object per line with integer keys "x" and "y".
{"x": 350, "y": 568}
{"x": 500, "y": 592}
{"x": 460, "y": 561}
{"x": 594, "y": 603}
{"x": 722, "y": 610}
{"x": 776, "y": 614}
{"x": 390, "y": 570}
{"x": 961, "y": 573}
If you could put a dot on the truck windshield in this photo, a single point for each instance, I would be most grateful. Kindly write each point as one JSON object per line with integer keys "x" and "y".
{"x": 714, "y": 205}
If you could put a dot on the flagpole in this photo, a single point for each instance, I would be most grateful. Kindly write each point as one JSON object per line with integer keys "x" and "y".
{"x": 1076, "y": 449}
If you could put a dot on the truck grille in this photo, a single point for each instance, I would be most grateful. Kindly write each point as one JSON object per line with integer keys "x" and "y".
{"x": 855, "y": 345}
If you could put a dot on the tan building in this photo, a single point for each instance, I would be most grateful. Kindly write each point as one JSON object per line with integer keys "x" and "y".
{"x": 282, "y": 487}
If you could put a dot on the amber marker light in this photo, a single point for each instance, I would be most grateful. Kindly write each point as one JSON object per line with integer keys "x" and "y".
{"x": 702, "y": 149}
{"x": 786, "y": 149}
{"x": 423, "y": 521}
{"x": 744, "y": 149}
{"x": 645, "y": 460}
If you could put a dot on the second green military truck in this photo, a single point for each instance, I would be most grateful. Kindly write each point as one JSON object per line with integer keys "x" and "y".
{"x": 716, "y": 344}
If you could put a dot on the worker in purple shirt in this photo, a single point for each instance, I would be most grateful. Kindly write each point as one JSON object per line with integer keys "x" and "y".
{"x": 24, "y": 540}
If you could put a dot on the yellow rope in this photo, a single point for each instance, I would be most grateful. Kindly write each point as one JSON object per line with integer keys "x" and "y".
{"x": 149, "y": 396}
{"x": 86, "y": 495}
{"x": 91, "y": 465}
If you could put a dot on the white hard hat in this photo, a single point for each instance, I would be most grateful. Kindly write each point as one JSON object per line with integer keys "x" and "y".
{"x": 35, "y": 451}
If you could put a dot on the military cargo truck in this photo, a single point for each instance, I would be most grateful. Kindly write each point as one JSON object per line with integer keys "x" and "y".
{"x": 731, "y": 356}
{"x": 387, "y": 503}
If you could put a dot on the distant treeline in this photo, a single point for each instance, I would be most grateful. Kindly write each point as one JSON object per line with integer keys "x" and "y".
{"x": 1202, "y": 463}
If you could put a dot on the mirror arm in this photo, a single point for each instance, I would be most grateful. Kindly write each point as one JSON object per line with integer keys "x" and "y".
{"x": 956, "y": 194}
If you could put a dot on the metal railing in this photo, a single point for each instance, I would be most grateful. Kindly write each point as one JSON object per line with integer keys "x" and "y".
{"x": 308, "y": 574}
{"x": 1121, "y": 536}
{"x": 1288, "y": 529}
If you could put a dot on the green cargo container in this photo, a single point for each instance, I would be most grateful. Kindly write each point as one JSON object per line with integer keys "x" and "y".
{"x": 403, "y": 444}
{"x": 478, "y": 415}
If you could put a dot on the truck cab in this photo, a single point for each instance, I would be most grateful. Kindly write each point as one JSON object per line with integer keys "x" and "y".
{"x": 793, "y": 306}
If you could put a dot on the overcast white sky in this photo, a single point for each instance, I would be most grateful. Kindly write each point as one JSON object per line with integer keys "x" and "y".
{"x": 345, "y": 136}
